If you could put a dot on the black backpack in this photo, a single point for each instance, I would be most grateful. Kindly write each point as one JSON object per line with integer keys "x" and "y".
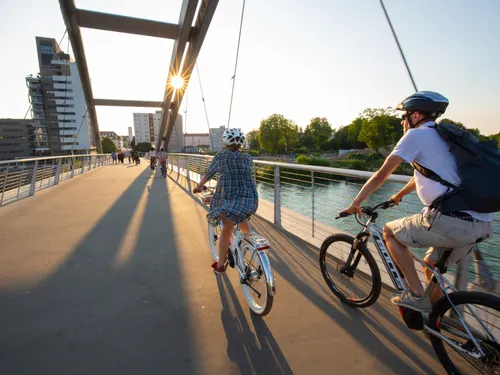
{"x": 478, "y": 166}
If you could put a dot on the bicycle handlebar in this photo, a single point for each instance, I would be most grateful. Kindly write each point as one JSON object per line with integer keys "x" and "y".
{"x": 370, "y": 210}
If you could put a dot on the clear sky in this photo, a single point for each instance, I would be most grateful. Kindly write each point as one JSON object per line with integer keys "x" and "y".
{"x": 302, "y": 59}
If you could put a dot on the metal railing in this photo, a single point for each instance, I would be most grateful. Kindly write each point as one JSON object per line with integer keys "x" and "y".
{"x": 21, "y": 178}
{"x": 305, "y": 199}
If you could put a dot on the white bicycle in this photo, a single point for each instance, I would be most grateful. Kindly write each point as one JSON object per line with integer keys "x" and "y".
{"x": 248, "y": 255}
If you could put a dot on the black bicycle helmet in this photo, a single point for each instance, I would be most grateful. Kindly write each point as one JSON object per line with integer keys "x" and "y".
{"x": 427, "y": 102}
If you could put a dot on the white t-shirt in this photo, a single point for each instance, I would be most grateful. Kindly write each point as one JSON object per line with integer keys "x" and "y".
{"x": 152, "y": 154}
{"x": 162, "y": 155}
{"x": 425, "y": 146}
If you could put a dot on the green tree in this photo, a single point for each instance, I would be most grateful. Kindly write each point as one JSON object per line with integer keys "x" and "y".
{"x": 290, "y": 138}
{"x": 143, "y": 147}
{"x": 353, "y": 130}
{"x": 342, "y": 138}
{"x": 305, "y": 139}
{"x": 108, "y": 145}
{"x": 321, "y": 131}
{"x": 379, "y": 128}
{"x": 253, "y": 139}
{"x": 132, "y": 144}
{"x": 276, "y": 133}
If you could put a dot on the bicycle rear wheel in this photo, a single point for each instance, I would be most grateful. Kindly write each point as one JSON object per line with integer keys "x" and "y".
{"x": 258, "y": 280}
{"x": 444, "y": 320}
{"x": 341, "y": 271}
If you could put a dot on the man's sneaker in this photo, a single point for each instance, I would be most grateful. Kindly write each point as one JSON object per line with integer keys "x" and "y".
{"x": 409, "y": 300}
{"x": 219, "y": 270}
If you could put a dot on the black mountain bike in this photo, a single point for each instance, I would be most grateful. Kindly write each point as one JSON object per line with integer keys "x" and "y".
{"x": 462, "y": 326}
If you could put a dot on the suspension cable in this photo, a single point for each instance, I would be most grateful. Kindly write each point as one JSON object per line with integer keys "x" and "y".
{"x": 79, "y": 128}
{"x": 205, "y": 106}
{"x": 236, "y": 63}
{"x": 399, "y": 45}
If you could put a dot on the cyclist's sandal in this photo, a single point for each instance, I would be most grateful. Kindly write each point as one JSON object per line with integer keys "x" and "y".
{"x": 219, "y": 270}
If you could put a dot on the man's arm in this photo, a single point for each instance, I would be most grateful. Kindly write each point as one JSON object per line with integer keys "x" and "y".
{"x": 409, "y": 187}
{"x": 375, "y": 181}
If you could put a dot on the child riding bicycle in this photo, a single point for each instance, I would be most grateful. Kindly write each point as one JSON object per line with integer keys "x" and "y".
{"x": 235, "y": 198}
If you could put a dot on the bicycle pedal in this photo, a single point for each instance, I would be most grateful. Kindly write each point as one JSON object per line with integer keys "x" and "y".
{"x": 413, "y": 319}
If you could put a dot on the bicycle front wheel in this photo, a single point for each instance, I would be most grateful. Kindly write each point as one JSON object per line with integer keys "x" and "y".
{"x": 258, "y": 280}
{"x": 352, "y": 274}
{"x": 460, "y": 355}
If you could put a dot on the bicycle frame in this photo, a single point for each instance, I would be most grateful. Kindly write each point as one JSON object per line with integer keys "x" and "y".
{"x": 399, "y": 283}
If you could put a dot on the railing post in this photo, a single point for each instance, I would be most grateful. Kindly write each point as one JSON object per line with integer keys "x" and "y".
{"x": 90, "y": 163}
{"x": 83, "y": 166}
{"x": 4, "y": 184}
{"x": 312, "y": 195}
{"x": 201, "y": 168}
{"x": 58, "y": 171}
{"x": 20, "y": 181}
{"x": 277, "y": 200}
{"x": 73, "y": 166}
{"x": 33, "y": 178}
{"x": 187, "y": 168}
{"x": 95, "y": 161}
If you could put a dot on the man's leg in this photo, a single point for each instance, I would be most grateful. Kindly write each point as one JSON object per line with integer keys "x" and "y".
{"x": 404, "y": 259}
{"x": 437, "y": 292}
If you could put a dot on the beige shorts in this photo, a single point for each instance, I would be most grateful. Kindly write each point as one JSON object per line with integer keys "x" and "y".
{"x": 445, "y": 233}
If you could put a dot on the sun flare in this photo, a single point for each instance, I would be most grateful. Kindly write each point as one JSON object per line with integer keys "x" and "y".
{"x": 177, "y": 82}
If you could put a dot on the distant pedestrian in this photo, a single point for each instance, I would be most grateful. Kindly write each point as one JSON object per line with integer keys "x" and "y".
{"x": 114, "y": 157}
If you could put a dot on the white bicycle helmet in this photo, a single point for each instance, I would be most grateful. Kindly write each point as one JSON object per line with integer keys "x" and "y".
{"x": 233, "y": 137}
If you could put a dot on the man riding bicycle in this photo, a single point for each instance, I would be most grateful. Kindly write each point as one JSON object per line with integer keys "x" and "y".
{"x": 162, "y": 158}
{"x": 459, "y": 230}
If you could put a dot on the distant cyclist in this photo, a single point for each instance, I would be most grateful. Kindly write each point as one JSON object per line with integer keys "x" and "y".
{"x": 162, "y": 158}
{"x": 152, "y": 158}
{"x": 459, "y": 230}
{"x": 235, "y": 198}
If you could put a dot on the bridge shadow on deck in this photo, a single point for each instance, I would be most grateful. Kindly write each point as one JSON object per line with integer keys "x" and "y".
{"x": 115, "y": 305}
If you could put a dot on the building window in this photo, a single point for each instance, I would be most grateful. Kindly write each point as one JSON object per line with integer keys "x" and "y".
{"x": 46, "y": 49}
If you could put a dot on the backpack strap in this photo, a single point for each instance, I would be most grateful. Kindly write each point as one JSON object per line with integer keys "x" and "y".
{"x": 430, "y": 174}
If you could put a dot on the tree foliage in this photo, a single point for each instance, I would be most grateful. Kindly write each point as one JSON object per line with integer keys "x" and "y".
{"x": 278, "y": 134}
{"x": 143, "y": 147}
{"x": 379, "y": 128}
{"x": 305, "y": 139}
{"x": 253, "y": 139}
{"x": 321, "y": 131}
{"x": 108, "y": 145}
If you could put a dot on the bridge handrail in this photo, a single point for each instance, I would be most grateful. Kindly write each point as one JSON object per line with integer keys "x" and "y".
{"x": 47, "y": 158}
{"x": 21, "y": 178}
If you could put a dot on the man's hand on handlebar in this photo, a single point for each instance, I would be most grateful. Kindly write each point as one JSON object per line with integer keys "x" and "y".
{"x": 395, "y": 199}
{"x": 352, "y": 209}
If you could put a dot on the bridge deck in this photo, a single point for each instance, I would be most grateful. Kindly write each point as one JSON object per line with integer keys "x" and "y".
{"x": 109, "y": 274}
